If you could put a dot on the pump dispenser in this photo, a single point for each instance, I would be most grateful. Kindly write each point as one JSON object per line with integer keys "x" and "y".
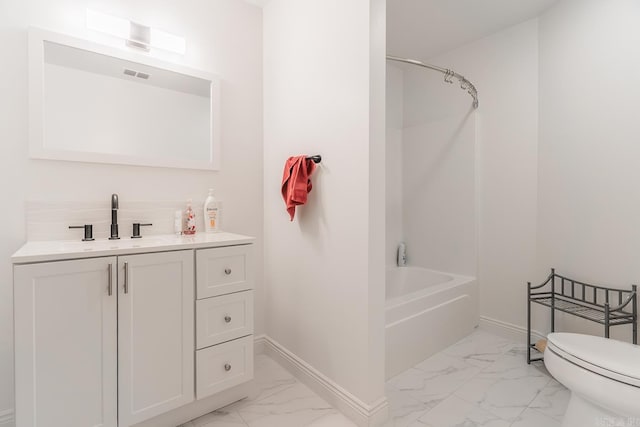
{"x": 211, "y": 214}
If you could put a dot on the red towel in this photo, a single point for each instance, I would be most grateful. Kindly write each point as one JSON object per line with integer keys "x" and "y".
{"x": 296, "y": 183}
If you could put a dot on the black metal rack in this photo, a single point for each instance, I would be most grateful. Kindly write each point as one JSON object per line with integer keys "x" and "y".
{"x": 606, "y": 306}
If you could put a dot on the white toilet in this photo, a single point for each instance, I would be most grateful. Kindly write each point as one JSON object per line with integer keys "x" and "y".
{"x": 603, "y": 376}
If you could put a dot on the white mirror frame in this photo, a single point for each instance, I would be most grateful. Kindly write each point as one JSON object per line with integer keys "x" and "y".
{"x": 37, "y": 147}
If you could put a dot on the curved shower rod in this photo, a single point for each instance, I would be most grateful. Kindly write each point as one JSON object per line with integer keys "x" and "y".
{"x": 448, "y": 76}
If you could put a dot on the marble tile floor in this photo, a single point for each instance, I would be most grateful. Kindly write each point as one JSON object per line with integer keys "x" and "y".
{"x": 483, "y": 380}
{"x": 277, "y": 400}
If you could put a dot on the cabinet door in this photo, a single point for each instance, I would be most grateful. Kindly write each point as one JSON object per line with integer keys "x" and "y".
{"x": 155, "y": 334}
{"x": 65, "y": 343}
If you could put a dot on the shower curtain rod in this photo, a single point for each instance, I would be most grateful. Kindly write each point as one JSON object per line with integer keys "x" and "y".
{"x": 448, "y": 76}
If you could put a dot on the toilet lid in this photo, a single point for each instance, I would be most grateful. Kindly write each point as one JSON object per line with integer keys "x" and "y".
{"x": 613, "y": 359}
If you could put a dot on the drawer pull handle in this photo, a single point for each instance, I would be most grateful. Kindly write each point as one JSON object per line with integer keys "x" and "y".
{"x": 110, "y": 287}
{"x": 126, "y": 277}
{"x": 227, "y": 271}
{"x": 227, "y": 319}
{"x": 227, "y": 367}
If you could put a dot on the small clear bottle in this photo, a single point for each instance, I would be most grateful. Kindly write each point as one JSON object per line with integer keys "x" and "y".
{"x": 189, "y": 220}
{"x": 177, "y": 223}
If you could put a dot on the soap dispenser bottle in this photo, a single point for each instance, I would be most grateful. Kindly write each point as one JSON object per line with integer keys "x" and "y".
{"x": 211, "y": 214}
{"x": 189, "y": 220}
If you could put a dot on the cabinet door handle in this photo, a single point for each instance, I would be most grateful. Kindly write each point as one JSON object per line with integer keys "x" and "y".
{"x": 227, "y": 367}
{"x": 227, "y": 271}
{"x": 126, "y": 277}
{"x": 110, "y": 287}
{"x": 227, "y": 318}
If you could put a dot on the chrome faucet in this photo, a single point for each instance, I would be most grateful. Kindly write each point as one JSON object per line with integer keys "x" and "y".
{"x": 114, "y": 217}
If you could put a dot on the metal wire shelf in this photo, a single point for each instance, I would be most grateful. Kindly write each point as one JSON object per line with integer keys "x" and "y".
{"x": 603, "y": 305}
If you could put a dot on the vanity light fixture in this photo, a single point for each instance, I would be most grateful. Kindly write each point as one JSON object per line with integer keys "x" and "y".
{"x": 135, "y": 35}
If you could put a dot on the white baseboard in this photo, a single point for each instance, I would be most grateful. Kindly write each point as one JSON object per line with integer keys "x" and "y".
{"x": 361, "y": 413}
{"x": 509, "y": 330}
{"x": 258, "y": 344}
{"x": 6, "y": 418}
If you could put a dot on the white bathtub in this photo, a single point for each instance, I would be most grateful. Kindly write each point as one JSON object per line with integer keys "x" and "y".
{"x": 426, "y": 311}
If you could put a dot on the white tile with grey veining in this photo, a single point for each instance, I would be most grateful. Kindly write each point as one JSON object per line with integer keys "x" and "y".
{"x": 335, "y": 419}
{"x": 414, "y": 383}
{"x": 435, "y": 379}
{"x": 269, "y": 378}
{"x": 532, "y": 418}
{"x": 506, "y": 387}
{"x": 552, "y": 400}
{"x": 403, "y": 409}
{"x": 219, "y": 418}
{"x": 512, "y": 364}
{"x": 294, "y": 406}
{"x": 456, "y": 412}
{"x": 480, "y": 348}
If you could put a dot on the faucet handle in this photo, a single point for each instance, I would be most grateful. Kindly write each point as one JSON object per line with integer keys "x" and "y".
{"x": 88, "y": 231}
{"x": 136, "y": 230}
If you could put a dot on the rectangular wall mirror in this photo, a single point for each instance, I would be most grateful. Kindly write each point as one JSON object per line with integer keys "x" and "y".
{"x": 95, "y": 103}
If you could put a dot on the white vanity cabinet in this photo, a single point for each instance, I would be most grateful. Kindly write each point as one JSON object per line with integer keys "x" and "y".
{"x": 122, "y": 340}
{"x": 66, "y": 343}
{"x": 155, "y": 334}
{"x": 224, "y": 319}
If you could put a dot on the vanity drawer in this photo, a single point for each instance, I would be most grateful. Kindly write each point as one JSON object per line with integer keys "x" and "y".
{"x": 223, "y": 366}
{"x": 223, "y": 318}
{"x": 222, "y": 271}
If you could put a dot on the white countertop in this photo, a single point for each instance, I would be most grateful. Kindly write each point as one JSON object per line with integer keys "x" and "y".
{"x": 56, "y": 250}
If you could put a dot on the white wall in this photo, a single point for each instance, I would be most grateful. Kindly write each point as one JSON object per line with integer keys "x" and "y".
{"x": 589, "y": 203}
{"x": 504, "y": 69}
{"x": 324, "y": 86}
{"x": 223, "y": 37}
{"x": 393, "y": 166}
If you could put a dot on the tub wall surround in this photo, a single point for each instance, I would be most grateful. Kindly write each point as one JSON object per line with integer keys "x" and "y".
{"x": 504, "y": 67}
{"x": 439, "y": 192}
{"x": 431, "y": 167}
{"x": 223, "y": 37}
{"x": 431, "y": 205}
{"x": 393, "y": 159}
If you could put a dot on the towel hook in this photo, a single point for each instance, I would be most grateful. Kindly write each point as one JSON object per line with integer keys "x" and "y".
{"x": 316, "y": 158}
